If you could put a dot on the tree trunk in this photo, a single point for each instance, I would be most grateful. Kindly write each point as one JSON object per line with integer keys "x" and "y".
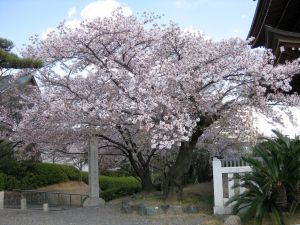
{"x": 142, "y": 170}
{"x": 173, "y": 184}
{"x": 147, "y": 181}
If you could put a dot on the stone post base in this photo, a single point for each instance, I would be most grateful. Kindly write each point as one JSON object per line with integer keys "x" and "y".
{"x": 94, "y": 201}
{"x": 1, "y": 199}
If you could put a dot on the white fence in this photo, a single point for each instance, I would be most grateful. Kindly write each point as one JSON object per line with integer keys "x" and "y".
{"x": 224, "y": 179}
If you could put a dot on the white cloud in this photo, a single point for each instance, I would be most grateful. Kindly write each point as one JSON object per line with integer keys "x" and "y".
{"x": 100, "y": 8}
{"x": 103, "y": 8}
{"x": 72, "y": 12}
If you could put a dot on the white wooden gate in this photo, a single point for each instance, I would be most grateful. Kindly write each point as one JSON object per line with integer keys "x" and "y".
{"x": 224, "y": 178}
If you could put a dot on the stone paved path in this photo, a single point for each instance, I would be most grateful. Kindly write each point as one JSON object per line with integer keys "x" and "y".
{"x": 107, "y": 215}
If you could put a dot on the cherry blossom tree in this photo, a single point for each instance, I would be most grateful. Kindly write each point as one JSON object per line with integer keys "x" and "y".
{"x": 120, "y": 73}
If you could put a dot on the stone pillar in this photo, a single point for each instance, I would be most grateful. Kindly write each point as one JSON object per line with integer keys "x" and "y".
{"x": 94, "y": 190}
{"x": 1, "y": 200}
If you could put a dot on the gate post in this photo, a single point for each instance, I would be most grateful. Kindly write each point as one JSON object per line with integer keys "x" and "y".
{"x": 218, "y": 187}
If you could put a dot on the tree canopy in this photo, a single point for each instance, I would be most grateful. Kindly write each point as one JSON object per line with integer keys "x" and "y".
{"x": 119, "y": 72}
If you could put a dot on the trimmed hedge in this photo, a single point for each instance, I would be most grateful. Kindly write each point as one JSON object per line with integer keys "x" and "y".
{"x": 114, "y": 187}
{"x": 107, "y": 182}
{"x": 31, "y": 175}
{"x": 34, "y": 175}
{"x": 116, "y": 173}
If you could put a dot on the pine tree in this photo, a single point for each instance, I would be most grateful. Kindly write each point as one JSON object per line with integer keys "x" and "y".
{"x": 10, "y": 60}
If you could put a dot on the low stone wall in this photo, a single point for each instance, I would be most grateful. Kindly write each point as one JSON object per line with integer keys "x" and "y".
{"x": 144, "y": 210}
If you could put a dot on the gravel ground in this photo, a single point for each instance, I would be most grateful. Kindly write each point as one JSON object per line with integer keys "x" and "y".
{"x": 106, "y": 215}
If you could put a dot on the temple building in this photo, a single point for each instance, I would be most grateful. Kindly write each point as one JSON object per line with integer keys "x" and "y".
{"x": 276, "y": 26}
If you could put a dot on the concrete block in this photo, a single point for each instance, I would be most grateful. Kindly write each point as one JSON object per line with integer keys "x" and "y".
{"x": 92, "y": 202}
{"x": 23, "y": 204}
{"x": 1, "y": 199}
{"x": 45, "y": 207}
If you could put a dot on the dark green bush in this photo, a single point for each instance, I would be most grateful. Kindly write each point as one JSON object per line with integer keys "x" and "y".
{"x": 71, "y": 172}
{"x": 114, "y": 187}
{"x": 46, "y": 174}
{"x": 113, "y": 182}
{"x": 30, "y": 175}
{"x": 2, "y": 181}
{"x": 116, "y": 173}
{"x": 11, "y": 183}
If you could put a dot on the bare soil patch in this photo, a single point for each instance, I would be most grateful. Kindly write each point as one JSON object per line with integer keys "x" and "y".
{"x": 74, "y": 187}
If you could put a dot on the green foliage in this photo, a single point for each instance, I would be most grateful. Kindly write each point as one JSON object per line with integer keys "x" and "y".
{"x": 84, "y": 177}
{"x": 116, "y": 173}
{"x": 2, "y": 181}
{"x": 29, "y": 175}
{"x": 114, "y": 187}
{"x": 6, "y": 44}
{"x": 6, "y": 150}
{"x": 112, "y": 182}
{"x": 272, "y": 185}
{"x": 10, "y": 60}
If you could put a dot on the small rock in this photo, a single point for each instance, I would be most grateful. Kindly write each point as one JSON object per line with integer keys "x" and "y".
{"x": 151, "y": 211}
{"x": 233, "y": 220}
{"x": 126, "y": 208}
{"x": 141, "y": 209}
{"x": 191, "y": 209}
{"x": 135, "y": 207}
{"x": 175, "y": 210}
{"x": 164, "y": 208}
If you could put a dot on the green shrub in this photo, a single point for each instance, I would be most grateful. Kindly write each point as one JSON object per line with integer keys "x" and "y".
{"x": 46, "y": 174}
{"x": 71, "y": 172}
{"x": 115, "y": 173}
{"x": 2, "y": 181}
{"x": 30, "y": 175}
{"x": 84, "y": 177}
{"x": 113, "y": 182}
{"x": 11, "y": 183}
{"x": 114, "y": 187}
{"x": 14, "y": 168}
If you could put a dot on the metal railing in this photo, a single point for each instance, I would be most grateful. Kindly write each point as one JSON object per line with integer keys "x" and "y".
{"x": 35, "y": 199}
